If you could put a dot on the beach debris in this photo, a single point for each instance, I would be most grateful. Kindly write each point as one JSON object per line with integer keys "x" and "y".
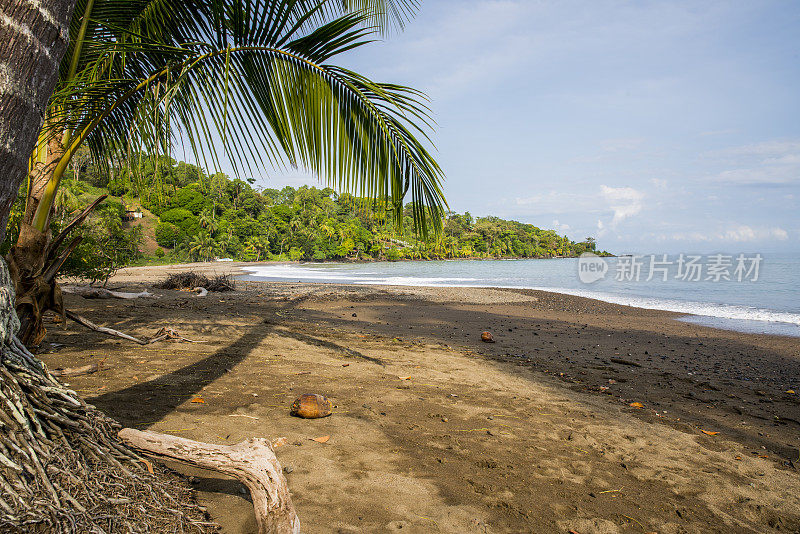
{"x": 252, "y": 462}
{"x": 102, "y": 329}
{"x": 89, "y": 292}
{"x": 636, "y": 405}
{"x": 790, "y": 391}
{"x": 404, "y": 377}
{"x": 625, "y": 362}
{"x": 201, "y": 291}
{"x": 162, "y": 334}
{"x": 76, "y": 371}
{"x": 486, "y": 337}
{"x": 321, "y": 439}
{"x": 709, "y": 433}
{"x": 279, "y": 442}
{"x": 168, "y": 333}
{"x": 311, "y": 406}
{"x": 192, "y": 280}
{"x": 198, "y": 400}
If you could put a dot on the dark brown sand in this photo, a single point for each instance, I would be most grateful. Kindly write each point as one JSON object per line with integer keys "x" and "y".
{"x": 435, "y": 431}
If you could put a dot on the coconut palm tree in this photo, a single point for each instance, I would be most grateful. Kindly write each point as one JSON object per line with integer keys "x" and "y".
{"x": 202, "y": 247}
{"x": 258, "y": 245}
{"x": 252, "y": 79}
{"x": 208, "y": 222}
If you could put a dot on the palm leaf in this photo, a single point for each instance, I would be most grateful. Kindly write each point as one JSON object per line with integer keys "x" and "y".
{"x": 256, "y": 73}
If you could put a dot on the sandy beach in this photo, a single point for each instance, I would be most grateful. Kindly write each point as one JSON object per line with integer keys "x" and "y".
{"x": 583, "y": 416}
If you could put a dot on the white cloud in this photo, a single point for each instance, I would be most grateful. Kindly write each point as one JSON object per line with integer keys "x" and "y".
{"x": 765, "y": 148}
{"x": 624, "y": 201}
{"x": 736, "y": 233}
{"x": 766, "y": 163}
{"x": 552, "y": 202}
{"x": 561, "y": 227}
{"x": 766, "y": 175}
{"x": 779, "y": 234}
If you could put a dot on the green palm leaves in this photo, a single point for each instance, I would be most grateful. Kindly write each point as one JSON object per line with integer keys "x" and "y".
{"x": 251, "y": 79}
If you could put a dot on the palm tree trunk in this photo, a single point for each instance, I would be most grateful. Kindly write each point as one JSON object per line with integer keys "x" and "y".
{"x": 33, "y": 40}
{"x": 57, "y": 449}
{"x": 41, "y": 175}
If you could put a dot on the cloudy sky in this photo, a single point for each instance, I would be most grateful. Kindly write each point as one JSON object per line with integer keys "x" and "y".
{"x": 652, "y": 126}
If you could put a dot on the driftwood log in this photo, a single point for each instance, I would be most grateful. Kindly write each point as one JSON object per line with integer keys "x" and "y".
{"x": 102, "y": 329}
{"x": 253, "y": 462}
{"x": 89, "y": 292}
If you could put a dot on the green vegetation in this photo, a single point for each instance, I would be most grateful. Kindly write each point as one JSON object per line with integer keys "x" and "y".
{"x": 201, "y": 217}
{"x": 258, "y": 82}
{"x": 105, "y": 243}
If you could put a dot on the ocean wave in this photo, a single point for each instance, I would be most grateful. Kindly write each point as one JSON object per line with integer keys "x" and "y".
{"x": 348, "y": 274}
{"x": 722, "y": 311}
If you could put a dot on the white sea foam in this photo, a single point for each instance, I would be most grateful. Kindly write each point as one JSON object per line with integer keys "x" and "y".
{"x": 722, "y": 311}
{"x": 387, "y": 274}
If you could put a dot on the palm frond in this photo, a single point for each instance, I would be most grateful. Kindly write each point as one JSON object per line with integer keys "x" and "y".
{"x": 256, "y": 74}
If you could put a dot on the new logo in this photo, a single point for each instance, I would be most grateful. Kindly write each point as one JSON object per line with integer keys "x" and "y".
{"x": 591, "y": 268}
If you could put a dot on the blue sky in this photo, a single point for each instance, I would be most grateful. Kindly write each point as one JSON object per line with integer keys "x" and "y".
{"x": 651, "y": 126}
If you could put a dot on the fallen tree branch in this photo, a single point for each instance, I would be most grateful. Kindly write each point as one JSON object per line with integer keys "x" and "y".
{"x": 89, "y": 292}
{"x": 253, "y": 462}
{"x": 162, "y": 334}
{"x": 110, "y": 331}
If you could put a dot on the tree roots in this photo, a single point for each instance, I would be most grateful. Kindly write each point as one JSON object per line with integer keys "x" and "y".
{"x": 62, "y": 467}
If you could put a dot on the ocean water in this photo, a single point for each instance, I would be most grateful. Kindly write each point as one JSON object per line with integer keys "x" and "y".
{"x": 762, "y": 296}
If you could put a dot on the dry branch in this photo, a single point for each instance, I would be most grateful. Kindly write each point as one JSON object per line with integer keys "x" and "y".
{"x": 252, "y": 462}
{"x": 110, "y": 331}
{"x": 161, "y": 335}
{"x": 89, "y": 292}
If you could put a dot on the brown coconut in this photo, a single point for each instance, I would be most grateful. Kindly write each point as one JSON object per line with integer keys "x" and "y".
{"x": 311, "y": 406}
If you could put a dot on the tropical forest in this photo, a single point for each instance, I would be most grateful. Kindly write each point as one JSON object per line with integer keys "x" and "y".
{"x": 160, "y": 210}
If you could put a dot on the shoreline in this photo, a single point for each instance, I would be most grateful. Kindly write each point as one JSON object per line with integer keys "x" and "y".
{"x": 432, "y": 423}
{"x": 727, "y": 320}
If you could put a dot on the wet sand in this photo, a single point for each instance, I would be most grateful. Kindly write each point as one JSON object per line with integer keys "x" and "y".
{"x": 435, "y": 431}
